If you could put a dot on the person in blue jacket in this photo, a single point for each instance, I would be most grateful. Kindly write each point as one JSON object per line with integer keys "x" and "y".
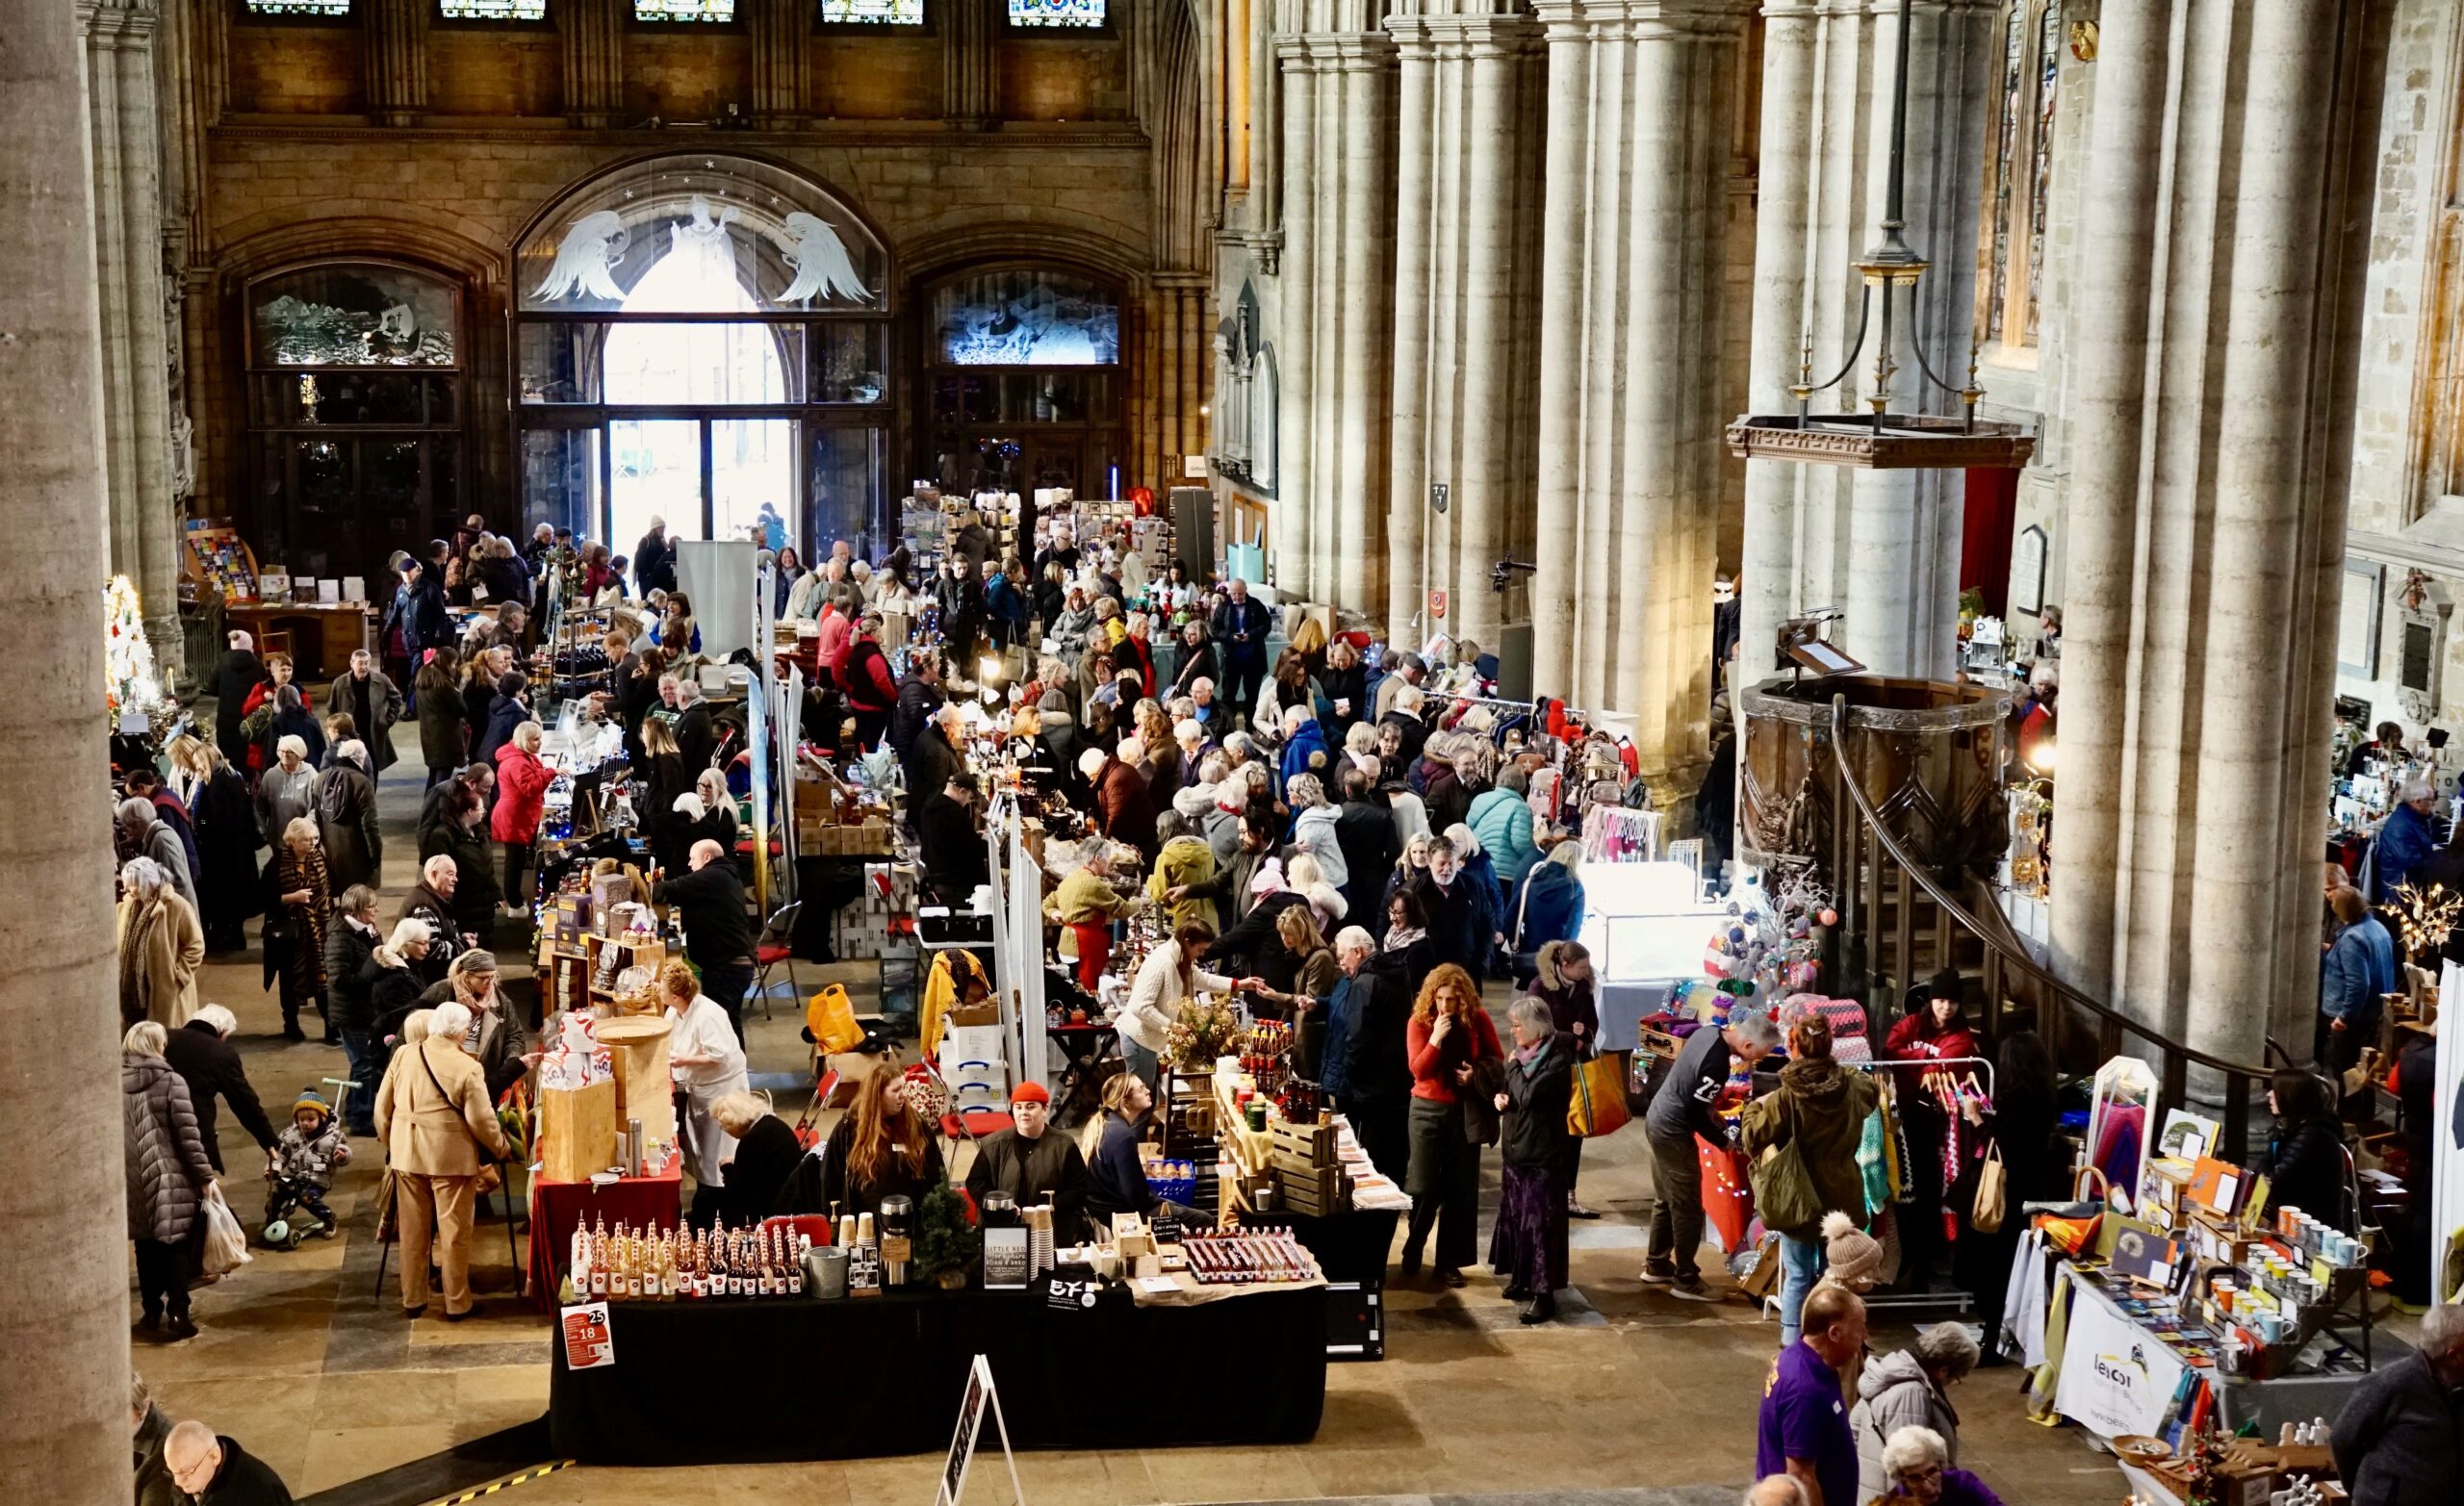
{"x": 1500, "y": 817}
{"x": 1116, "y": 1174}
{"x": 2406, "y": 838}
{"x": 1302, "y": 737}
{"x": 1552, "y": 903}
{"x": 2359, "y": 967}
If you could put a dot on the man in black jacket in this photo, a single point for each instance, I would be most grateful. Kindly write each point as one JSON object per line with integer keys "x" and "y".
{"x": 351, "y": 935}
{"x": 935, "y": 758}
{"x": 697, "y": 733}
{"x": 202, "y": 1053}
{"x": 2399, "y": 1439}
{"x": 1687, "y": 1105}
{"x": 1240, "y": 628}
{"x": 431, "y": 900}
{"x": 216, "y": 1471}
{"x": 919, "y": 695}
{"x": 718, "y": 934}
{"x": 954, "y": 854}
{"x": 1365, "y": 830}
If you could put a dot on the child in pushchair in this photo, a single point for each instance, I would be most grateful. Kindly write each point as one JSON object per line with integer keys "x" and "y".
{"x": 300, "y": 1171}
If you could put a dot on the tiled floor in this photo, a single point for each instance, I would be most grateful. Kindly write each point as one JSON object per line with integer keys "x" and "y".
{"x": 320, "y": 1374}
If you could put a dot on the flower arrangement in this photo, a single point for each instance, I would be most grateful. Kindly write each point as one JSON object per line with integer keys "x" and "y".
{"x": 1204, "y": 1030}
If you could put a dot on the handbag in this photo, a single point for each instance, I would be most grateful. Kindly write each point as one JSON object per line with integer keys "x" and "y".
{"x": 1992, "y": 1190}
{"x": 1598, "y": 1105}
{"x": 1784, "y": 1191}
{"x": 1481, "y": 1122}
{"x": 226, "y": 1243}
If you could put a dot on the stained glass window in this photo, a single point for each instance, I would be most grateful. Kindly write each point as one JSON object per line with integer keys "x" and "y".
{"x": 1057, "y": 13}
{"x": 721, "y": 10}
{"x": 493, "y": 10}
{"x": 2041, "y": 168}
{"x": 353, "y": 316}
{"x": 2015, "y": 72}
{"x": 329, "y": 8}
{"x": 1027, "y": 319}
{"x": 873, "y": 12}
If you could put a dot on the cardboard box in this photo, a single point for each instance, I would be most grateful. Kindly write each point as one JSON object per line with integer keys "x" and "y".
{"x": 576, "y": 1132}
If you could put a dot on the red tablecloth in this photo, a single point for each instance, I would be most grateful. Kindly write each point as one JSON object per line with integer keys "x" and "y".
{"x": 559, "y": 1207}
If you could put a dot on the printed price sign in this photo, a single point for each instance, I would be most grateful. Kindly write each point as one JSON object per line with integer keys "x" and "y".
{"x": 590, "y": 1343}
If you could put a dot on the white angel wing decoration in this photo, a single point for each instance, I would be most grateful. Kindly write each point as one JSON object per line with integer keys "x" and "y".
{"x": 820, "y": 260}
{"x": 589, "y": 249}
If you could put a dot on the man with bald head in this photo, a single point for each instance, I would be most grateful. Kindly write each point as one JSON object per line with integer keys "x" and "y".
{"x": 718, "y": 934}
{"x": 213, "y": 1471}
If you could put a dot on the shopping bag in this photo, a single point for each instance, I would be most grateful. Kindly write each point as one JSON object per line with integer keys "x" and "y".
{"x": 1599, "y": 1103}
{"x": 831, "y": 1016}
{"x": 226, "y": 1243}
{"x": 1991, "y": 1189}
{"x": 1784, "y": 1190}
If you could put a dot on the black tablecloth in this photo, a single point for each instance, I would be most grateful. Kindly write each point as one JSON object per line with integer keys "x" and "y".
{"x": 1352, "y": 1246}
{"x": 792, "y": 1379}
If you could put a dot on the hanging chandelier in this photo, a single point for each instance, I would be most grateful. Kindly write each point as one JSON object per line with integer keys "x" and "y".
{"x": 1879, "y": 439}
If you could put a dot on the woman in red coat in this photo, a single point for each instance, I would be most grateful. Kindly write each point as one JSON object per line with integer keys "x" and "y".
{"x": 1934, "y": 1029}
{"x": 521, "y": 795}
{"x": 1446, "y": 1041}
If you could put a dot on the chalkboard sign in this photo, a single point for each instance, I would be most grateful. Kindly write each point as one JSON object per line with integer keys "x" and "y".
{"x": 970, "y": 1432}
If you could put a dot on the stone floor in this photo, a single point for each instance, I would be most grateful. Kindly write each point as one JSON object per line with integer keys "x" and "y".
{"x": 315, "y": 1371}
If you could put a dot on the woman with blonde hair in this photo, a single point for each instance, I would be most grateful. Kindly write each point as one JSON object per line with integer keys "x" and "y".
{"x": 226, "y": 818}
{"x": 161, "y": 947}
{"x": 882, "y": 1148}
{"x": 1313, "y": 980}
{"x": 766, "y": 1153}
{"x": 1455, "y": 1059}
{"x": 298, "y": 904}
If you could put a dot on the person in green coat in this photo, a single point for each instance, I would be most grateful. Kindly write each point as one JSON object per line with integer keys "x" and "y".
{"x": 1821, "y": 1106}
{"x": 1183, "y": 863}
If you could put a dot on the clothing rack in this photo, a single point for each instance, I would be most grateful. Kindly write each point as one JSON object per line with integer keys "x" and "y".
{"x": 1632, "y": 826}
{"x": 1928, "y": 1063}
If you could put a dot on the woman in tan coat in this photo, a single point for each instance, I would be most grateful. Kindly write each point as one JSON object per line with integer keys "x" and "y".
{"x": 434, "y": 1115}
{"x": 161, "y": 947}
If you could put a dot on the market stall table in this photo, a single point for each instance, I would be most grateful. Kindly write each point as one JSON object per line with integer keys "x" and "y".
{"x": 869, "y": 1377}
{"x": 559, "y": 1207}
{"x": 321, "y": 635}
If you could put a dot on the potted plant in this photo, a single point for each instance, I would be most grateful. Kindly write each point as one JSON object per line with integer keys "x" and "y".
{"x": 947, "y": 1242}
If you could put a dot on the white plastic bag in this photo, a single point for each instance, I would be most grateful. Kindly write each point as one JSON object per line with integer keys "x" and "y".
{"x": 226, "y": 1243}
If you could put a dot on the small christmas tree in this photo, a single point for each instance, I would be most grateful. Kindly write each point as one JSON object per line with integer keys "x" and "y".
{"x": 131, "y": 683}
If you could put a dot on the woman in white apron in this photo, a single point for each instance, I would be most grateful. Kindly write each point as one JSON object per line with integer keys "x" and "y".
{"x": 708, "y": 1063}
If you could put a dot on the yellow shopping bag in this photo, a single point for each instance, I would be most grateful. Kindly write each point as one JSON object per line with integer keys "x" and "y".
{"x": 831, "y": 1016}
{"x": 1599, "y": 1103}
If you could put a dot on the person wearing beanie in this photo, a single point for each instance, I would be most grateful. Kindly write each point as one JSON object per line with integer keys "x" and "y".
{"x": 305, "y": 1156}
{"x": 1852, "y": 1258}
{"x": 1033, "y": 1164}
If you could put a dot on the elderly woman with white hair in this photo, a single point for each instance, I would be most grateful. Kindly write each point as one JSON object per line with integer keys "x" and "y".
{"x": 161, "y": 946}
{"x": 1916, "y": 1464}
{"x": 1313, "y": 827}
{"x": 169, "y": 1175}
{"x": 439, "y": 1129}
{"x": 1528, "y": 1247}
{"x": 297, "y": 900}
{"x": 1909, "y": 1388}
{"x": 144, "y": 834}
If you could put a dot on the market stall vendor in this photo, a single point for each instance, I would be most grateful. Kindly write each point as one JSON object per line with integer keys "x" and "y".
{"x": 1032, "y": 1163}
{"x": 882, "y": 1148}
{"x": 1117, "y": 1177}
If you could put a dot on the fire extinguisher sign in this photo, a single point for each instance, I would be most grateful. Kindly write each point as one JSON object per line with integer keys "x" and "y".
{"x": 1437, "y": 603}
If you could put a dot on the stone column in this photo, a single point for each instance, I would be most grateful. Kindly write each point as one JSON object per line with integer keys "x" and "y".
{"x": 1416, "y": 233}
{"x": 2188, "y": 801}
{"x": 394, "y": 36}
{"x": 1563, "y": 335}
{"x": 782, "y": 37}
{"x": 64, "y": 1240}
{"x": 592, "y": 33}
{"x": 1768, "y": 584}
{"x": 1464, "y": 364}
{"x": 125, "y": 131}
{"x": 1886, "y": 547}
{"x": 1288, "y": 534}
{"x": 1632, "y": 318}
{"x": 1363, "y": 257}
{"x": 970, "y": 90}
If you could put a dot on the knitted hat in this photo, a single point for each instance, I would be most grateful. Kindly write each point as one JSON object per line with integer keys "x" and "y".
{"x": 1854, "y": 1258}
{"x": 310, "y": 1098}
{"x": 1031, "y": 1093}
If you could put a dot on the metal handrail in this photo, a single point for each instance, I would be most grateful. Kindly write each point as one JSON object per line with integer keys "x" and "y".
{"x": 2239, "y": 1077}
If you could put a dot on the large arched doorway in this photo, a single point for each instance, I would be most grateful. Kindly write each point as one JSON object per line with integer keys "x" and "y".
{"x": 706, "y": 340}
{"x": 1022, "y": 368}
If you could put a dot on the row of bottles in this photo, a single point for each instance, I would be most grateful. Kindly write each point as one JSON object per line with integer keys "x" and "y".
{"x": 662, "y": 1264}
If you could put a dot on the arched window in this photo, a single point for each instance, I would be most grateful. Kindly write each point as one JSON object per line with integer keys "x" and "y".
{"x": 704, "y": 339}
{"x": 2019, "y": 173}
